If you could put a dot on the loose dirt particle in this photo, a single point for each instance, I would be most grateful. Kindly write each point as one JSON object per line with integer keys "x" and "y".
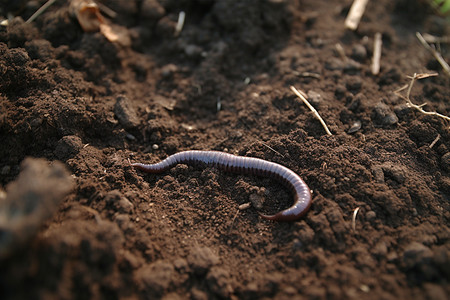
{"x": 201, "y": 259}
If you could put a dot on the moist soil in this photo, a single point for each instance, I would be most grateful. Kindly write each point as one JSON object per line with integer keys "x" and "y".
{"x": 223, "y": 83}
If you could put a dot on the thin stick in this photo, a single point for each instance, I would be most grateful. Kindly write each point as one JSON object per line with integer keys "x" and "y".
{"x": 108, "y": 11}
{"x": 435, "y": 53}
{"x": 40, "y": 10}
{"x": 435, "y": 141}
{"x": 408, "y": 93}
{"x": 180, "y": 23}
{"x": 355, "y": 14}
{"x": 311, "y": 108}
{"x": 355, "y": 213}
{"x": 378, "y": 43}
{"x": 272, "y": 149}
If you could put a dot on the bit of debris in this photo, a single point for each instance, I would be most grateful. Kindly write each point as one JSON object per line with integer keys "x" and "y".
{"x": 375, "y": 68}
{"x": 355, "y": 14}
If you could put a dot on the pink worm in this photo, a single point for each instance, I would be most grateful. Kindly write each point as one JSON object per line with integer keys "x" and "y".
{"x": 244, "y": 165}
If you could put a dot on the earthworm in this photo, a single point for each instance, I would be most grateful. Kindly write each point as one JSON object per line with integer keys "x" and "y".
{"x": 244, "y": 165}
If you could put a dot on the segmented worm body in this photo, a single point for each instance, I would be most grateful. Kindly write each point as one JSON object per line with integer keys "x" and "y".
{"x": 243, "y": 165}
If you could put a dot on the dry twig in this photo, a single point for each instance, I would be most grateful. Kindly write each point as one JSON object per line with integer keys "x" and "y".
{"x": 355, "y": 213}
{"x": 408, "y": 93}
{"x": 355, "y": 14}
{"x": 376, "y": 54}
{"x": 435, "y": 141}
{"x": 303, "y": 98}
{"x": 40, "y": 10}
{"x": 180, "y": 23}
{"x": 437, "y": 55}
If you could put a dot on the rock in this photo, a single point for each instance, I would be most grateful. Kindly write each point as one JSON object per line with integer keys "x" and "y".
{"x": 168, "y": 70}
{"x": 257, "y": 200}
{"x": 68, "y": 146}
{"x": 359, "y": 52}
{"x": 218, "y": 281}
{"x": 356, "y": 126}
{"x": 201, "y": 259}
{"x": 382, "y": 115}
{"x": 314, "y": 98}
{"x": 125, "y": 113}
{"x": 371, "y": 215}
{"x": 155, "y": 278}
{"x": 395, "y": 172}
{"x": 30, "y": 200}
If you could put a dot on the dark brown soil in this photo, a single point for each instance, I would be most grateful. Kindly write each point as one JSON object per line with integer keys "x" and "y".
{"x": 223, "y": 84}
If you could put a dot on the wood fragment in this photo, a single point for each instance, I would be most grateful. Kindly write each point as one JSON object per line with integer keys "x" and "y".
{"x": 180, "y": 23}
{"x": 40, "y": 11}
{"x": 408, "y": 93}
{"x": 355, "y": 14}
{"x": 355, "y": 213}
{"x": 378, "y": 42}
{"x": 303, "y": 98}
{"x": 437, "y": 55}
{"x": 435, "y": 141}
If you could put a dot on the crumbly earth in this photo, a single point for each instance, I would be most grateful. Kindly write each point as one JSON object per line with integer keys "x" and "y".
{"x": 223, "y": 84}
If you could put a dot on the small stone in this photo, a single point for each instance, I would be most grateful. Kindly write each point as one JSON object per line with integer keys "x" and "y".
{"x": 356, "y": 126}
{"x": 68, "y": 146}
{"x": 371, "y": 215}
{"x": 314, "y": 98}
{"x": 168, "y": 70}
{"x": 257, "y": 200}
{"x": 218, "y": 281}
{"x": 125, "y": 113}
{"x": 359, "y": 53}
{"x": 201, "y": 259}
{"x": 445, "y": 160}
{"x": 395, "y": 172}
{"x": 383, "y": 115}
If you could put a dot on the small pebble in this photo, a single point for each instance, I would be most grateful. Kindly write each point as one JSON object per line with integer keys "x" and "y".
{"x": 314, "y": 98}
{"x": 125, "y": 113}
{"x": 257, "y": 200}
{"x": 383, "y": 115}
{"x": 356, "y": 126}
{"x": 359, "y": 53}
{"x": 68, "y": 146}
{"x": 371, "y": 215}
